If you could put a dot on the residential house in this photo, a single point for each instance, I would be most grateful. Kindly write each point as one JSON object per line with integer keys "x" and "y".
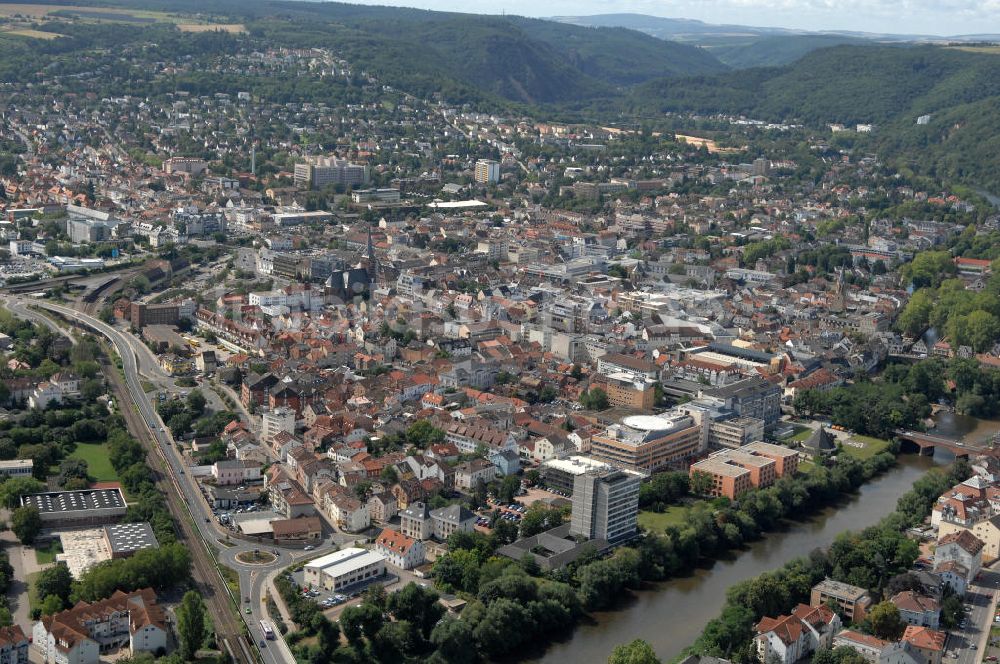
{"x": 787, "y": 639}
{"x": 469, "y": 474}
{"x": 963, "y": 548}
{"x": 401, "y": 551}
{"x": 917, "y": 609}
{"x": 13, "y": 645}
{"x": 382, "y": 507}
{"x": 80, "y": 635}
{"x": 229, "y": 472}
{"x": 349, "y": 513}
{"x": 868, "y": 646}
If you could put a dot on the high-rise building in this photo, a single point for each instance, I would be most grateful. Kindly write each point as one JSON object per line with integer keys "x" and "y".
{"x": 487, "y": 171}
{"x": 319, "y": 172}
{"x": 605, "y": 505}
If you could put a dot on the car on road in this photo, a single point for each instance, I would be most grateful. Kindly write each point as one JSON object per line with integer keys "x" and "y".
{"x": 247, "y": 610}
{"x": 309, "y": 547}
{"x": 973, "y": 647}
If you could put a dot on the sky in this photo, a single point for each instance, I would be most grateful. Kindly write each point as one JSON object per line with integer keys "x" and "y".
{"x": 931, "y": 17}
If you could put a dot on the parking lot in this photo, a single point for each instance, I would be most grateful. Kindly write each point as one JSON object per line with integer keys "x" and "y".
{"x": 330, "y": 600}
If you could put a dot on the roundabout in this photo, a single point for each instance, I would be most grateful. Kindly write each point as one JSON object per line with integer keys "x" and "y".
{"x": 255, "y": 557}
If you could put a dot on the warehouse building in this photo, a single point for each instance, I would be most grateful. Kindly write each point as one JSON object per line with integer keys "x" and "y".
{"x": 87, "y": 507}
{"x": 344, "y": 568}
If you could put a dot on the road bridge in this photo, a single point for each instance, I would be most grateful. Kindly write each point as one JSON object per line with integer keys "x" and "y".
{"x": 927, "y": 442}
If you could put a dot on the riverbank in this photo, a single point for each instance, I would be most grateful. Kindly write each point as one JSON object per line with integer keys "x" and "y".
{"x": 670, "y": 614}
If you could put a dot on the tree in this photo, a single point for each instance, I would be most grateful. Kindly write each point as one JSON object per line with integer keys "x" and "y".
{"x": 595, "y": 399}
{"x": 389, "y": 475}
{"x": 51, "y": 604}
{"x": 71, "y": 469}
{"x": 701, "y": 483}
{"x": 637, "y": 652}
{"x": 196, "y": 403}
{"x": 885, "y": 621}
{"x": 507, "y": 491}
{"x": 191, "y": 624}
{"x": 423, "y": 433}
{"x": 452, "y": 638}
{"x": 418, "y": 606}
{"x": 15, "y": 487}
{"x": 55, "y": 581}
{"x": 26, "y": 522}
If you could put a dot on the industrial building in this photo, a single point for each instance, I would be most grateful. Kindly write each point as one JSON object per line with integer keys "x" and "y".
{"x": 87, "y": 507}
{"x": 344, "y": 568}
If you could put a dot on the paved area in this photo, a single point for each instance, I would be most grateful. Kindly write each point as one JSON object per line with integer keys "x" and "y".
{"x": 968, "y": 645}
{"x": 22, "y": 559}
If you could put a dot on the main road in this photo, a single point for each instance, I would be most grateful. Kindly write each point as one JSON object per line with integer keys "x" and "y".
{"x": 254, "y": 579}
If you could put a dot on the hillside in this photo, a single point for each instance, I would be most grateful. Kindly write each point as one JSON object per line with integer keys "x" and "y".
{"x": 773, "y": 50}
{"x": 850, "y": 84}
{"x": 889, "y": 86}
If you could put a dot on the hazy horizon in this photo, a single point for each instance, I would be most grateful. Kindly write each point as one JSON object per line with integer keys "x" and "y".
{"x": 925, "y": 17}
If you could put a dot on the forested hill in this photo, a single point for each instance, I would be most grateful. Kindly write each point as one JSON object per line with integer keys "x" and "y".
{"x": 465, "y": 56}
{"x": 849, "y": 84}
{"x": 524, "y": 60}
{"x": 888, "y": 86}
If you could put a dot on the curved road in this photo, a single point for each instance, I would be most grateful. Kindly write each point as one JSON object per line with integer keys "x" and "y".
{"x": 253, "y": 578}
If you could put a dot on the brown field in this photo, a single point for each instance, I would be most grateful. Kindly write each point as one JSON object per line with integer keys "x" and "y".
{"x": 28, "y": 32}
{"x": 708, "y": 143}
{"x": 234, "y": 28}
{"x": 993, "y": 49}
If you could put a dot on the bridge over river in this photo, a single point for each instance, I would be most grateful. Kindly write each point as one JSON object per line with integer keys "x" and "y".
{"x": 927, "y": 442}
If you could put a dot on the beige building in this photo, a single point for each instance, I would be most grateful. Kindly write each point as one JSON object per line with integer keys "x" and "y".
{"x": 987, "y": 530}
{"x": 647, "y": 443}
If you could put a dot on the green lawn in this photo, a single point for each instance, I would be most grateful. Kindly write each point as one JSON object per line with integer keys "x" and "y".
{"x": 801, "y": 433}
{"x": 98, "y": 464}
{"x": 872, "y": 446}
{"x": 657, "y": 521}
{"x": 47, "y": 555}
{"x": 33, "y": 599}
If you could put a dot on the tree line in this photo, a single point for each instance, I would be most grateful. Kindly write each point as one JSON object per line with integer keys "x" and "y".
{"x": 872, "y": 558}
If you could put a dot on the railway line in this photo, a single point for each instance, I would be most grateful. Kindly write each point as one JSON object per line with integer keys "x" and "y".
{"x": 220, "y": 603}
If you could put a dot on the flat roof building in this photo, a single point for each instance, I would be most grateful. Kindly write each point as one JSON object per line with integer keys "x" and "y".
{"x": 852, "y": 602}
{"x": 124, "y": 539}
{"x": 17, "y": 468}
{"x": 87, "y": 507}
{"x": 605, "y": 504}
{"x": 344, "y": 568}
{"x": 647, "y": 443}
{"x": 560, "y": 474}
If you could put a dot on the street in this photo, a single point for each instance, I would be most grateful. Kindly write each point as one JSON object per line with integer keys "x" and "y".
{"x": 969, "y": 644}
{"x": 252, "y": 577}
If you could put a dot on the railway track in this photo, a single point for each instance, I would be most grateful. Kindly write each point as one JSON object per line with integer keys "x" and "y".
{"x": 221, "y": 605}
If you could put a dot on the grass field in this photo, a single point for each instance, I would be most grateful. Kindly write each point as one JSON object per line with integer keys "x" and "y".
{"x": 657, "y": 521}
{"x": 801, "y": 433}
{"x": 33, "y": 598}
{"x": 47, "y": 555}
{"x": 871, "y": 446}
{"x": 98, "y": 464}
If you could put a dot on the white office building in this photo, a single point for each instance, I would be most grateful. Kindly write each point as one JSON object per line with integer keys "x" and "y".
{"x": 344, "y": 568}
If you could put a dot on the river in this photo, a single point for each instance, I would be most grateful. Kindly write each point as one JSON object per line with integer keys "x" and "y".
{"x": 672, "y": 615}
